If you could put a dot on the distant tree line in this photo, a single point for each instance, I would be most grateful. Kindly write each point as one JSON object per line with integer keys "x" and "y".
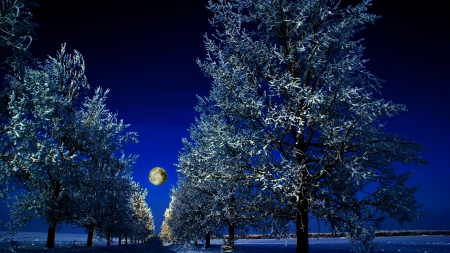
{"x": 381, "y": 233}
{"x": 62, "y": 152}
{"x": 293, "y": 129}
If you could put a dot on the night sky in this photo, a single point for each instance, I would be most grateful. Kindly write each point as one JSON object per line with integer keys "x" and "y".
{"x": 145, "y": 52}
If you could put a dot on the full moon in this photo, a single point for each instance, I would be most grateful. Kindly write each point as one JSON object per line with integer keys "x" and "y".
{"x": 157, "y": 176}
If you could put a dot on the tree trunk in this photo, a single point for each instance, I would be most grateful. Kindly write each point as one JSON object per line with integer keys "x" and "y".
{"x": 90, "y": 240}
{"x": 207, "y": 240}
{"x": 51, "y": 235}
{"x": 120, "y": 239}
{"x": 302, "y": 227}
{"x": 231, "y": 235}
{"x": 108, "y": 240}
{"x": 126, "y": 238}
{"x": 230, "y": 245}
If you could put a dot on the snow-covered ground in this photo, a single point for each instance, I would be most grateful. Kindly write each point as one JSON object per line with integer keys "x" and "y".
{"x": 35, "y": 242}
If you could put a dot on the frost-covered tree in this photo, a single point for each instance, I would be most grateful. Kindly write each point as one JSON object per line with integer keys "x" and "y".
{"x": 124, "y": 212}
{"x": 115, "y": 207}
{"x": 166, "y": 234}
{"x": 16, "y": 34}
{"x": 291, "y": 74}
{"x": 214, "y": 165}
{"x": 42, "y": 139}
{"x": 104, "y": 161}
{"x": 141, "y": 225}
{"x": 60, "y": 152}
{"x": 101, "y": 192}
{"x": 189, "y": 216}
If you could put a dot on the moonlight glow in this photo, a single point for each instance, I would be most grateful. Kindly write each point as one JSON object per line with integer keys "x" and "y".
{"x": 157, "y": 176}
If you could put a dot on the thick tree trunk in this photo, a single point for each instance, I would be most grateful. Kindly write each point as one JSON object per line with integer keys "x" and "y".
{"x": 207, "y": 240}
{"x": 51, "y": 236}
{"x": 90, "y": 239}
{"x": 231, "y": 235}
{"x": 231, "y": 231}
{"x": 302, "y": 227}
{"x": 120, "y": 239}
{"x": 126, "y": 238}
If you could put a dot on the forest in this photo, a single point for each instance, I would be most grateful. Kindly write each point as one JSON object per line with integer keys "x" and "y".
{"x": 292, "y": 131}
{"x": 62, "y": 152}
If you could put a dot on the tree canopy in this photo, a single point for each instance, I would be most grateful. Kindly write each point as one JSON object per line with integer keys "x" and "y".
{"x": 308, "y": 121}
{"x": 63, "y": 160}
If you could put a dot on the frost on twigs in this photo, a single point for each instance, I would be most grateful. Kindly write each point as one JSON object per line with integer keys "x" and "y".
{"x": 291, "y": 128}
{"x": 16, "y": 35}
{"x": 66, "y": 161}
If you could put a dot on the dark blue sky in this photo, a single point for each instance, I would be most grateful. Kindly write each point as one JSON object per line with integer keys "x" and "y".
{"x": 145, "y": 52}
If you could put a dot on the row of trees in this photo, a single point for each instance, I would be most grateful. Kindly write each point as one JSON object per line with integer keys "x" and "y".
{"x": 62, "y": 156}
{"x": 293, "y": 129}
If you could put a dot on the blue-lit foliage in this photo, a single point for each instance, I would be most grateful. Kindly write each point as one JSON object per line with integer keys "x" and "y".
{"x": 291, "y": 77}
{"x": 16, "y": 35}
{"x": 64, "y": 160}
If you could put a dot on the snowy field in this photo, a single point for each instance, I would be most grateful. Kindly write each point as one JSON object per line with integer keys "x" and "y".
{"x": 35, "y": 242}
